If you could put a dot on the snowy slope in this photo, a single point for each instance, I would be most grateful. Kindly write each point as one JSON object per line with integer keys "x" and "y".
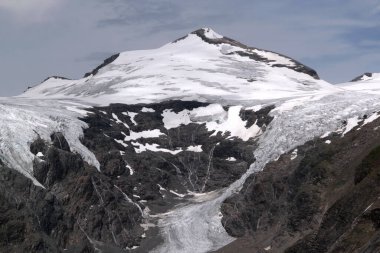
{"x": 203, "y": 66}
{"x": 367, "y": 83}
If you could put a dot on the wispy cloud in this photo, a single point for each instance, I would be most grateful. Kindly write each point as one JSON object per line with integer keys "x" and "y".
{"x": 157, "y": 16}
{"x": 29, "y": 10}
{"x": 70, "y": 37}
{"x": 137, "y": 12}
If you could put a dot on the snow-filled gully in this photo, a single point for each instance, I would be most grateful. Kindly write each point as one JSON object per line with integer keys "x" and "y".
{"x": 196, "y": 226}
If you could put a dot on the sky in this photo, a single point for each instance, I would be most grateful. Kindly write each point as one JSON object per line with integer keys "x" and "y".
{"x": 340, "y": 39}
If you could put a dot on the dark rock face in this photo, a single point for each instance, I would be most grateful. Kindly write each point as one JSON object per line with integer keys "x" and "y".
{"x": 359, "y": 78}
{"x": 27, "y": 215}
{"x": 325, "y": 200}
{"x": 202, "y": 34}
{"x": 105, "y": 63}
{"x": 59, "y": 161}
{"x": 56, "y": 77}
{"x": 78, "y": 208}
{"x": 82, "y": 209}
{"x": 59, "y": 141}
{"x": 261, "y": 117}
{"x": 160, "y": 178}
{"x": 204, "y": 170}
{"x": 299, "y": 67}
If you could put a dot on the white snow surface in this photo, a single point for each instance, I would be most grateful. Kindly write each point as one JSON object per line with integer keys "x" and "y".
{"x": 294, "y": 154}
{"x": 369, "y": 85}
{"x": 144, "y": 134}
{"x": 371, "y": 118}
{"x": 373, "y": 77}
{"x": 235, "y": 125}
{"x": 195, "y": 149}
{"x": 139, "y": 148}
{"x": 146, "y": 109}
{"x": 196, "y": 221}
{"x": 209, "y": 33}
{"x": 39, "y": 154}
{"x": 114, "y": 116}
{"x": 215, "y": 118}
{"x": 187, "y": 69}
{"x": 196, "y": 226}
{"x": 132, "y": 116}
{"x": 131, "y": 172}
{"x": 351, "y": 123}
{"x": 23, "y": 120}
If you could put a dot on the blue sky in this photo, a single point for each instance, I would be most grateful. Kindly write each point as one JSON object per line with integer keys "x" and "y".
{"x": 40, "y": 38}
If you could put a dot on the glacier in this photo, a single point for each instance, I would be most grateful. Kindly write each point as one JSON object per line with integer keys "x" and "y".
{"x": 196, "y": 226}
{"x": 24, "y": 120}
{"x": 219, "y": 71}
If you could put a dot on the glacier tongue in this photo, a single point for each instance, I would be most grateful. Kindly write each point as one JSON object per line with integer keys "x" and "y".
{"x": 23, "y": 120}
{"x": 196, "y": 226}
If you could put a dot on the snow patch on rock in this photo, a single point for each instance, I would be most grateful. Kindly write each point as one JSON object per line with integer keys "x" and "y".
{"x": 143, "y": 134}
{"x": 215, "y": 118}
{"x": 145, "y": 109}
{"x": 132, "y": 116}
{"x": 294, "y": 154}
{"x": 351, "y": 123}
{"x": 139, "y": 148}
{"x": 371, "y": 118}
{"x": 196, "y": 149}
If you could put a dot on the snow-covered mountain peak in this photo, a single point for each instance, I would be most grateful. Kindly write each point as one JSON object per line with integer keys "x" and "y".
{"x": 235, "y": 47}
{"x": 211, "y": 34}
{"x": 167, "y": 176}
{"x": 206, "y": 33}
{"x": 203, "y": 65}
{"x": 367, "y": 77}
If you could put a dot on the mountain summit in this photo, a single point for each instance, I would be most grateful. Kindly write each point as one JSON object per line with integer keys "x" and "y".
{"x": 212, "y": 146}
{"x": 201, "y": 65}
{"x": 272, "y": 58}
